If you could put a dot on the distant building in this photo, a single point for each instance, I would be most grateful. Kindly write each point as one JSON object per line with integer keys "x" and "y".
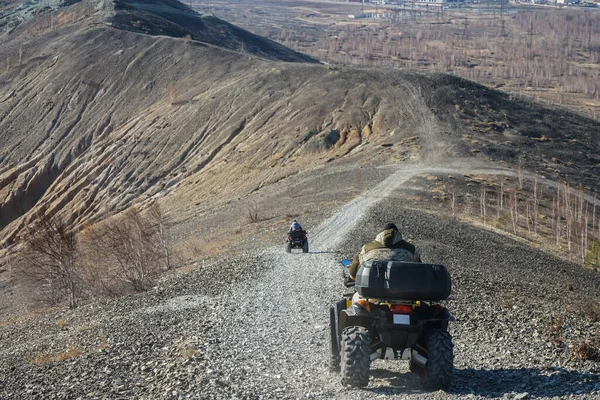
{"x": 432, "y": 2}
{"x": 567, "y": 1}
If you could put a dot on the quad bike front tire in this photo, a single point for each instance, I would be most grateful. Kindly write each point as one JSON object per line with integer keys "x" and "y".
{"x": 355, "y": 356}
{"x": 288, "y": 247}
{"x": 305, "y": 247}
{"x": 439, "y": 370}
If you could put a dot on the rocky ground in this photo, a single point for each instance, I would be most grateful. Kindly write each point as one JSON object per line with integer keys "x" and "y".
{"x": 255, "y": 325}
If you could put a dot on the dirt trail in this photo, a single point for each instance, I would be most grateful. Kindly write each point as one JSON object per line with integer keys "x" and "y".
{"x": 333, "y": 231}
{"x": 255, "y": 326}
{"x": 281, "y": 317}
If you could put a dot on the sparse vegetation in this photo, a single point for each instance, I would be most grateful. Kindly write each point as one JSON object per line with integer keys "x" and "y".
{"x": 553, "y": 62}
{"x": 49, "y": 260}
{"x": 591, "y": 310}
{"x": 587, "y": 350}
{"x": 127, "y": 249}
{"x": 72, "y": 351}
{"x": 113, "y": 257}
{"x": 562, "y": 217}
{"x": 253, "y": 213}
{"x": 554, "y": 327}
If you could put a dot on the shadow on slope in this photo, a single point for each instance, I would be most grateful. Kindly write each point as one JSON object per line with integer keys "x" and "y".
{"x": 172, "y": 18}
{"x": 538, "y": 382}
{"x": 535, "y": 381}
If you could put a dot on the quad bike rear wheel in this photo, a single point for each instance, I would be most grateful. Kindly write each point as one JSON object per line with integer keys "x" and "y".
{"x": 355, "y": 356}
{"x": 288, "y": 247}
{"x": 305, "y": 247}
{"x": 439, "y": 368}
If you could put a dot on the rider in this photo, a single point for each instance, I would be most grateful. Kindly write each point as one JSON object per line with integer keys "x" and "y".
{"x": 295, "y": 226}
{"x": 388, "y": 245}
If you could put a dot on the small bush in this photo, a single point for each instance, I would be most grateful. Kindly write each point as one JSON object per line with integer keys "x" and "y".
{"x": 592, "y": 256}
{"x": 554, "y": 327}
{"x": 591, "y": 309}
{"x": 507, "y": 299}
{"x": 587, "y": 350}
{"x": 253, "y": 215}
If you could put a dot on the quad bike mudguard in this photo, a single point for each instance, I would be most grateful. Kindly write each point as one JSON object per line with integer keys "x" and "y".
{"x": 356, "y": 315}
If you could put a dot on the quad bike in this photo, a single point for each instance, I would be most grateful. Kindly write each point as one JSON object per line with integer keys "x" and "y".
{"x": 297, "y": 240}
{"x": 397, "y": 325}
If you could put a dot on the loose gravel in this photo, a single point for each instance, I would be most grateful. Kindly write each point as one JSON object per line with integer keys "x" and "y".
{"x": 255, "y": 325}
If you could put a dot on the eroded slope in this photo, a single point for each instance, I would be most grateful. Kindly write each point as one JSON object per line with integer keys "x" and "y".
{"x": 94, "y": 119}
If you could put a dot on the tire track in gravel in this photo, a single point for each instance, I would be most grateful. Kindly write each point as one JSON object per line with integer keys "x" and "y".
{"x": 274, "y": 340}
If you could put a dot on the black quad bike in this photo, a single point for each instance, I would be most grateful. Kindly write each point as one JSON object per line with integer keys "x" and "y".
{"x": 297, "y": 240}
{"x": 398, "y": 315}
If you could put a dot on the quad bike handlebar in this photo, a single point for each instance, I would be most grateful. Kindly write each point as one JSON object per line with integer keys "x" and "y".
{"x": 348, "y": 282}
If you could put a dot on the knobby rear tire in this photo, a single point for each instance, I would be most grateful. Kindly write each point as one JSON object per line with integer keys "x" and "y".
{"x": 439, "y": 370}
{"x": 356, "y": 356}
{"x": 288, "y": 247}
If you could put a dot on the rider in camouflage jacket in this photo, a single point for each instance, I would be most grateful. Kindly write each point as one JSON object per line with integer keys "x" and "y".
{"x": 388, "y": 245}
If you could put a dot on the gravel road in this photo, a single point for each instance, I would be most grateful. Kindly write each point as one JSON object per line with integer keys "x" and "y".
{"x": 255, "y": 325}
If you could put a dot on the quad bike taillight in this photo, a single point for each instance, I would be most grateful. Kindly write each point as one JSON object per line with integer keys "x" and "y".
{"x": 401, "y": 309}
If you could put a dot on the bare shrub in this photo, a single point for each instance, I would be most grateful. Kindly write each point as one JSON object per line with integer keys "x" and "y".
{"x": 554, "y": 327}
{"x": 587, "y": 350}
{"x": 172, "y": 94}
{"x": 48, "y": 258}
{"x": 507, "y": 299}
{"x": 591, "y": 309}
{"x": 253, "y": 215}
{"x": 161, "y": 226}
{"x": 123, "y": 250}
{"x": 185, "y": 349}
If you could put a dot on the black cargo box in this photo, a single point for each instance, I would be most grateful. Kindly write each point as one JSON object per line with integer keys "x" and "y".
{"x": 400, "y": 280}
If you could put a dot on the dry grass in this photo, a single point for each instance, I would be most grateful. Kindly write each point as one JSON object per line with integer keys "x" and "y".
{"x": 103, "y": 344}
{"x": 71, "y": 352}
{"x": 185, "y": 350}
{"x": 188, "y": 249}
{"x": 507, "y": 299}
{"x": 554, "y": 328}
{"x": 88, "y": 327}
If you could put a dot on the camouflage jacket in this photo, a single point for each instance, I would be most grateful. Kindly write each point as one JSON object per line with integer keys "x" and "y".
{"x": 388, "y": 245}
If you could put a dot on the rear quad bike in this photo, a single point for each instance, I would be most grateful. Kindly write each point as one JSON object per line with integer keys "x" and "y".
{"x": 297, "y": 240}
{"x": 395, "y": 325}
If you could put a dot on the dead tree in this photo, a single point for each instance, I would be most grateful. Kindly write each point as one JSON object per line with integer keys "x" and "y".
{"x": 482, "y": 203}
{"x": 126, "y": 247}
{"x": 161, "y": 226}
{"x": 48, "y": 258}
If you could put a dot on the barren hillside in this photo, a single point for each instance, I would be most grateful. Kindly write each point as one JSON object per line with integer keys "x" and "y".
{"x": 95, "y": 119}
{"x": 108, "y": 105}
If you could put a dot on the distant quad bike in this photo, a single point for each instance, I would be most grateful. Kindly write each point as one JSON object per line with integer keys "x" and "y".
{"x": 297, "y": 240}
{"x": 398, "y": 316}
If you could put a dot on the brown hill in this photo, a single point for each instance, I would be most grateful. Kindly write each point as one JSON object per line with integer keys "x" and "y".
{"x": 94, "y": 118}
